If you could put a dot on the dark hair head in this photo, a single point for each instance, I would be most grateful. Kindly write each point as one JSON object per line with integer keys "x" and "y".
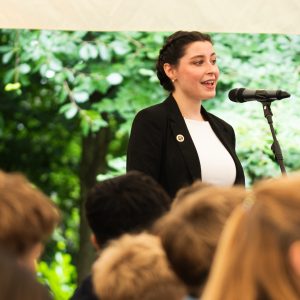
{"x": 173, "y": 49}
{"x": 126, "y": 203}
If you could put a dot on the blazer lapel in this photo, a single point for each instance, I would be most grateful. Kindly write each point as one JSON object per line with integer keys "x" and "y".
{"x": 183, "y": 138}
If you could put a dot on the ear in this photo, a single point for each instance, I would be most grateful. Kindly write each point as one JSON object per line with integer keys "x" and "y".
{"x": 294, "y": 256}
{"x": 170, "y": 71}
{"x": 94, "y": 242}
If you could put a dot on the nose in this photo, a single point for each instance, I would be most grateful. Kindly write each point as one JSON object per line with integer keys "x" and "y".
{"x": 212, "y": 69}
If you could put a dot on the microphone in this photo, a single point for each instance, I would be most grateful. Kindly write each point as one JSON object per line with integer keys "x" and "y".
{"x": 243, "y": 95}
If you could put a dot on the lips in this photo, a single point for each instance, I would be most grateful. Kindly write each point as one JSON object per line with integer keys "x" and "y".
{"x": 208, "y": 83}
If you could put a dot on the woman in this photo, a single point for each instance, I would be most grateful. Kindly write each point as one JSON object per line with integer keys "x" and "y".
{"x": 258, "y": 257}
{"x": 178, "y": 141}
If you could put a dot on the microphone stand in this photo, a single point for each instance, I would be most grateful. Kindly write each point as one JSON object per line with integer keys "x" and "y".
{"x": 275, "y": 146}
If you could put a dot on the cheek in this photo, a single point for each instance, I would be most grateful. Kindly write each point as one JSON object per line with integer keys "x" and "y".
{"x": 217, "y": 72}
{"x": 194, "y": 75}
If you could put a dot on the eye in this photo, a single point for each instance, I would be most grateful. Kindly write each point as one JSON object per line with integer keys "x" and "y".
{"x": 214, "y": 61}
{"x": 198, "y": 62}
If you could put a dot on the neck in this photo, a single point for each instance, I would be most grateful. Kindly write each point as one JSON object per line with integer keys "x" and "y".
{"x": 189, "y": 108}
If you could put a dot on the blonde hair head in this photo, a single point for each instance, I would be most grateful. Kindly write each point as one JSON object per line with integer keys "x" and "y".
{"x": 135, "y": 267}
{"x": 252, "y": 258}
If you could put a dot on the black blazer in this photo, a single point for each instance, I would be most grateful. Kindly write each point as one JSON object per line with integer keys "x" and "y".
{"x": 154, "y": 149}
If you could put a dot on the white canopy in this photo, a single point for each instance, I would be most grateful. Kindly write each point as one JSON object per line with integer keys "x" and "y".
{"x": 247, "y": 16}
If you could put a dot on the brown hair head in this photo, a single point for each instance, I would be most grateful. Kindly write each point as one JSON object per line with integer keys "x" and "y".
{"x": 191, "y": 231}
{"x": 27, "y": 216}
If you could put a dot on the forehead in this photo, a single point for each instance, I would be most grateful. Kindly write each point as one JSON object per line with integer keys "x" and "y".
{"x": 199, "y": 48}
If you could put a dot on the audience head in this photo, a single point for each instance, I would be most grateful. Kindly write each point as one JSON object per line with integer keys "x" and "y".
{"x": 17, "y": 282}
{"x": 126, "y": 203}
{"x": 184, "y": 192}
{"x": 27, "y": 218}
{"x": 133, "y": 268}
{"x": 259, "y": 251}
{"x": 191, "y": 231}
{"x": 173, "y": 50}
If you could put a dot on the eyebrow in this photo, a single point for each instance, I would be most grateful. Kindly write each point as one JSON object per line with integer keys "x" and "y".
{"x": 201, "y": 56}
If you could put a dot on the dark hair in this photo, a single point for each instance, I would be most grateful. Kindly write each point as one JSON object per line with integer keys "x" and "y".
{"x": 173, "y": 49}
{"x": 126, "y": 203}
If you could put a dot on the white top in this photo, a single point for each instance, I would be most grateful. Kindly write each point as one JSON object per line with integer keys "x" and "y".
{"x": 217, "y": 165}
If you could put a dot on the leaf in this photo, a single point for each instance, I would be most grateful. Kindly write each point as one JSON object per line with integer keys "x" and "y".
{"x": 55, "y": 65}
{"x": 24, "y": 68}
{"x": 88, "y": 51}
{"x": 49, "y": 74}
{"x": 71, "y": 112}
{"x": 146, "y": 72}
{"x": 5, "y": 48}
{"x": 85, "y": 126}
{"x": 7, "y": 57}
{"x": 104, "y": 52}
{"x": 80, "y": 96}
{"x": 102, "y": 86}
{"x": 12, "y": 86}
{"x": 114, "y": 78}
{"x": 92, "y": 119}
{"x": 120, "y": 47}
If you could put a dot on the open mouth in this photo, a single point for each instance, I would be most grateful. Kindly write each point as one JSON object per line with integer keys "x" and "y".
{"x": 208, "y": 83}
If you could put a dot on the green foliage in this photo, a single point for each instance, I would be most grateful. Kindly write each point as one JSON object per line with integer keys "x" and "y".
{"x": 59, "y": 276}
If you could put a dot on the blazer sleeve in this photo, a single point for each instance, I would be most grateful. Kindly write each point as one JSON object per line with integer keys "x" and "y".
{"x": 144, "y": 152}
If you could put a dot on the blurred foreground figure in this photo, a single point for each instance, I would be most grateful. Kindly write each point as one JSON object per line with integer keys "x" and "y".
{"x": 259, "y": 252}
{"x": 17, "y": 282}
{"x": 190, "y": 232}
{"x": 27, "y": 218}
{"x": 135, "y": 268}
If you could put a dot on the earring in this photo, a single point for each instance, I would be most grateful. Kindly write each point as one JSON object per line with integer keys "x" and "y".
{"x": 173, "y": 80}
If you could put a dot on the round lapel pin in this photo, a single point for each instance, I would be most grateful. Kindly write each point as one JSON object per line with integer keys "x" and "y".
{"x": 180, "y": 138}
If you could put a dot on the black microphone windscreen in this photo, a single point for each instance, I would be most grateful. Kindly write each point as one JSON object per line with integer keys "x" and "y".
{"x": 232, "y": 94}
{"x": 236, "y": 95}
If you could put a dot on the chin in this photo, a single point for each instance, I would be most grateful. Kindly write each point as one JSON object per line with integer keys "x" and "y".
{"x": 210, "y": 95}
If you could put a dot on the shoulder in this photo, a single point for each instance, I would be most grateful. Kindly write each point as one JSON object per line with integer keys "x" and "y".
{"x": 156, "y": 115}
{"x": 85, "y": 290}
{"x": 154, "y": 110}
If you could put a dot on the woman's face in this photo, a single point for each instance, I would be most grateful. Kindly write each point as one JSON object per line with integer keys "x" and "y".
{"x": 197, "y": 73}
